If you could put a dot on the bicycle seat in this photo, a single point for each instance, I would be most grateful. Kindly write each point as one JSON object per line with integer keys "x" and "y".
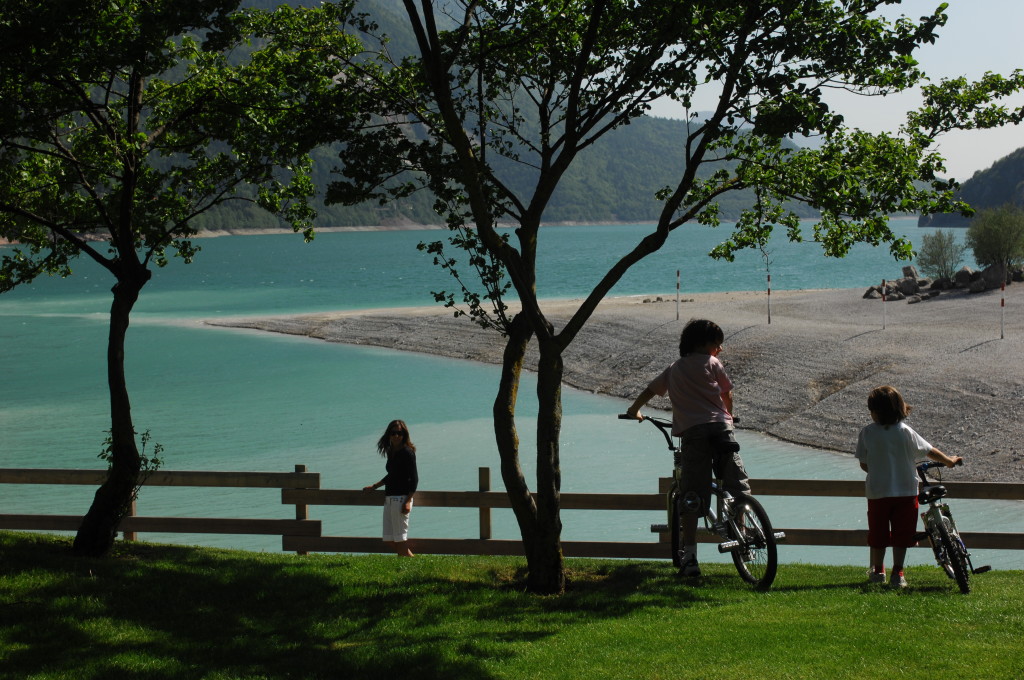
{"x": 932, "y": 492}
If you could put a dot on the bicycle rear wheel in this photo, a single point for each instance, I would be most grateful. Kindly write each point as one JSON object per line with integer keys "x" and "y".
{"x": 955, "y": 553}
{"x": 757, "y": 557}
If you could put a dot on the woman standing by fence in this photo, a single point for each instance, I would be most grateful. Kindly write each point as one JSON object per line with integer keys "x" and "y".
{"x": 399, "y": 484}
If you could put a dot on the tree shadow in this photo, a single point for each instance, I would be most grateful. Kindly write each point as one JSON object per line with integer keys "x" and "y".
{"x": 183, "y": 613}
{"x": 180, "y": 612}
{"x": 177, "y": 612}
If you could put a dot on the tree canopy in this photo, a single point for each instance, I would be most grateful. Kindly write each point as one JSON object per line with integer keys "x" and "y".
{"x": 127, "y": 122}
{"x": 940, "y": 255}
{"x": 996, "y": 237}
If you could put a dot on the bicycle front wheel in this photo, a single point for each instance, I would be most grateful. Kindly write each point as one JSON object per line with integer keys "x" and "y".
{"x": 757, "y": 557}
{"x": 955, "y": 553}
{"x": 932, "y": 520}
{"x": 675, "y": 529}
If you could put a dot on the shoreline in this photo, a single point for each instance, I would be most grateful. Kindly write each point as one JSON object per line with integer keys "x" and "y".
{"x": 802, "y": 378}
{"x": 408, "y": 226}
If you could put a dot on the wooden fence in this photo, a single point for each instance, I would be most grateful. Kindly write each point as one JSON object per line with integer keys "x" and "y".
{"x": 485, "y": 500}
{"x": 301, "y": 489}
{"x": 133, "y": 524}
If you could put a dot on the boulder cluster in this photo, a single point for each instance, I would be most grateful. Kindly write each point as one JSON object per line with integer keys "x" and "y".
{"x": 915, "y": 288}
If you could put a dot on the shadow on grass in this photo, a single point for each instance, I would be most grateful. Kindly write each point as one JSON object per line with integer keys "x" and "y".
{"x": 155, "y": 611}
{"x": 158, "y": 611}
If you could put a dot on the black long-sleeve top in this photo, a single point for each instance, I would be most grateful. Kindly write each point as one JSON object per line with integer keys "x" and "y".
{"x": 402, "y": 477}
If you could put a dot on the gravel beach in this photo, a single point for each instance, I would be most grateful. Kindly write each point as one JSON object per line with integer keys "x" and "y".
{"x": 803, "y": 378}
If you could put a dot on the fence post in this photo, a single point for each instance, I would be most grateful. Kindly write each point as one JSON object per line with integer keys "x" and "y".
{"x": 485, "y": 513}
{"x": 301, "y": 509}
{"x": 664, "y": 485}
{"x": 131, "y": 535}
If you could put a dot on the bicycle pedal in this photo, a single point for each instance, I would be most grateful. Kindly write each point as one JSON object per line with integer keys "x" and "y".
{"x": 658, "y": 528}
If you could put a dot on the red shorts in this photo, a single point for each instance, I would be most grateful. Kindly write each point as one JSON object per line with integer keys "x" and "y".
{"x": 892, "y": 522}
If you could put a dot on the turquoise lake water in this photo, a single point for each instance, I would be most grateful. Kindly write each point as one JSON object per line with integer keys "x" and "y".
{"x": 220, "y": 399}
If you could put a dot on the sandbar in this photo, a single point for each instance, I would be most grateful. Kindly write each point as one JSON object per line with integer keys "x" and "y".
{"x": 802, "y": 376}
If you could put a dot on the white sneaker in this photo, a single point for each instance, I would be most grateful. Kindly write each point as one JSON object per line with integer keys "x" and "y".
{"x": 897, "y": 580}
{"x": 876, "y": 576}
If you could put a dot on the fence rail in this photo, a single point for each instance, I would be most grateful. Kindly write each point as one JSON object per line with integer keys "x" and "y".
{"x": 255, "y": 480}
{"x": 301, "y": 489}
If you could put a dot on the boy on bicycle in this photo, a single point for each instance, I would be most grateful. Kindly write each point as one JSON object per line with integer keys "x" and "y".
{"x": 701, "y": 396}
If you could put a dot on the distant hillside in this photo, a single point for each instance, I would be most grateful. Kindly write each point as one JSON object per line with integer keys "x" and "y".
{"x": 613, "y": 181}
{"x": 998, "y": 185}
{"x": 616, "y": 180}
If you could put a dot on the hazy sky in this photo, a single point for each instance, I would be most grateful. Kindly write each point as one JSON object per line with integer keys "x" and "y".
{"x": 980, "y": 36}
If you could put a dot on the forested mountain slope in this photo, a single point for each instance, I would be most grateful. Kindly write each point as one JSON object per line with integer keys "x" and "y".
{"x": 998, "y": 185}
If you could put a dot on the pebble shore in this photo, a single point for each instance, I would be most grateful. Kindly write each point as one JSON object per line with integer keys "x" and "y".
{"x": 804, "y": 377}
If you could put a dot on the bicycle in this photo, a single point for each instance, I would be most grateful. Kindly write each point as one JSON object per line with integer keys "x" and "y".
{"x": 939, "y": 528}
{"x": 740, "y": 520}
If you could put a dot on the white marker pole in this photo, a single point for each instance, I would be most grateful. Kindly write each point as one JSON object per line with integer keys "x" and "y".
{"x": 1002, "y": 310}
{"x": 883, "y": 304}
{"x": 677, "y": 295}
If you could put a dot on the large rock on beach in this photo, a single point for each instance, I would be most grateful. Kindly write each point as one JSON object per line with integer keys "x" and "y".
{"x": 963, "y": 277}
{"x": 908, "y": 285}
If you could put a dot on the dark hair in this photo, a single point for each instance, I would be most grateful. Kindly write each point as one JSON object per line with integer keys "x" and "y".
{"x": 384, "y": 443}
{"x": 888, "y": 405}
{"x": 699, "y": 333}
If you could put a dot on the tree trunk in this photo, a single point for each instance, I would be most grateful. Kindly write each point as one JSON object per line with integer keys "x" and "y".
{"x": 547, "y": 564}
{"x": 539, "y": 521}
{"x": 96, "y": 535}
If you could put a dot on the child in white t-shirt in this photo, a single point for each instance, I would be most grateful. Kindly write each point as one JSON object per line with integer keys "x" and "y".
{"x": 888, "y": 450}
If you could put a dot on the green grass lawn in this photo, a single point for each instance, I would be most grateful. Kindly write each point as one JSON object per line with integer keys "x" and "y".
{"x": 157, "y": 611}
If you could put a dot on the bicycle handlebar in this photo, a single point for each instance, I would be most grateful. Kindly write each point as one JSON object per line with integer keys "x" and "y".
{"x": 926, "y": 465}
{"x": 664, "y": 425}
{"x": 660, "y": 422}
